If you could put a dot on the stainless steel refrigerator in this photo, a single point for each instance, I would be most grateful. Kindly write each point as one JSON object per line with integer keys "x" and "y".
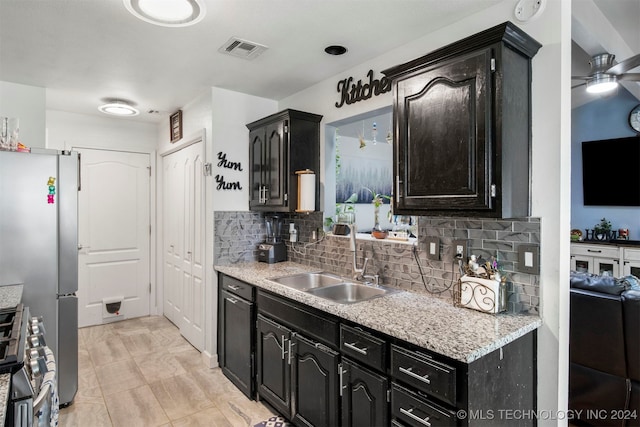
{"x": 39, "y": 247}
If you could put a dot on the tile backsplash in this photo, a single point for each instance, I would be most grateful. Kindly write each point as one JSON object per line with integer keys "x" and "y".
{"x": 237, "y": 235}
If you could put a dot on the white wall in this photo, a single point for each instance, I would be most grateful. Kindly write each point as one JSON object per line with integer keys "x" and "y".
{"x": 602, "y": 118}
{"x": 221, "y": 116}
{"x": 231, "y": 113}
{"x": 196, "y": 123}
{"x": 551, "y": 148}
{"x": 26, "y": 103}
{"x": 67, "y": 130}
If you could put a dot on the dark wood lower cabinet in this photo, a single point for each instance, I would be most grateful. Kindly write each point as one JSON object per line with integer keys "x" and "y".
{"x": 274, "y": 373}
{"x": 364, "y": 396}
{"x": 317, "y": 371}
{"x": 315, "y": 383}
{"x": 237, "y": 337}
{"x": 412, "y": 409}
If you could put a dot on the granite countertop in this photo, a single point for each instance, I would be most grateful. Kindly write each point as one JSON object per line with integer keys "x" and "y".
{"x": 429, "y": 322}
{"x": 10, "y": 296}
{"x": 5, "y": 383}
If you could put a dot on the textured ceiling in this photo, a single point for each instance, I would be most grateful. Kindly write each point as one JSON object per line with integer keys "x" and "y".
{"x": 85, "y": 50}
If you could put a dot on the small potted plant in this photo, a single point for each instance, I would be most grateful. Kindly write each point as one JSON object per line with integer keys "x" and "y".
{"x": 602, "y": 230}
{"x": 345, "y": 213}
{"x": 377, "y": 200}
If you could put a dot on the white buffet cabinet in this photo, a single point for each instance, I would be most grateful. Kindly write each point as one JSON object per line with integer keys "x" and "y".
{"x": 607, "y": 259}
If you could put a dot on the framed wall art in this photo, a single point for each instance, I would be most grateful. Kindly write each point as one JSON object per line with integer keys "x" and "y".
{"x": 175, "y": 126}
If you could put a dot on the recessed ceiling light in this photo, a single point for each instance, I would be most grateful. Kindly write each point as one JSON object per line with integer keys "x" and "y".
{"x": 118, "y": 108}
{"x": 167, "y": 13}
{"x": 335, "y": 50}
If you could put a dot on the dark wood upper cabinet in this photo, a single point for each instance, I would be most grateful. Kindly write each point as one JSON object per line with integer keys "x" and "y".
{"x": 462, "y": 127}
{"x": 280, "y": 145}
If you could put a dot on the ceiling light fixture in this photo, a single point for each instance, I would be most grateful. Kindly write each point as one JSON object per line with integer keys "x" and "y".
{"x": 335, "y": 50}
{"x": 118, "y": 108}
{"x": 167, "y": 13}
{"x": 602, "y": 83}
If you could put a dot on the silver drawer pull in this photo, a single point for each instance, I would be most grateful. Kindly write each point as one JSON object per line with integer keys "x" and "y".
{"x": 232, "y": 300}
{"x": 409, "y": 372}
{"x": 409, "y": 413}
{"x": 352, "y": 346}
{"x": 234, "y": 288}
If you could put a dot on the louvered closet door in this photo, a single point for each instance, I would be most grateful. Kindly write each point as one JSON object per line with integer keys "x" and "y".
{"x": 184, "y": 242}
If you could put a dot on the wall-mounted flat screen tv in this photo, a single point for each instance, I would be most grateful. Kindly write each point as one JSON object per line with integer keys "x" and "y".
{"x": 611, "y": 172}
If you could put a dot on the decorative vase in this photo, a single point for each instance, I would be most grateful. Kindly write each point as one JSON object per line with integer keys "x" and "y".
{"x": 377, "y": 231}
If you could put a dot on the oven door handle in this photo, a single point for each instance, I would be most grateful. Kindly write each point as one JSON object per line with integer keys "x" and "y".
{"x": 43, "y": 397}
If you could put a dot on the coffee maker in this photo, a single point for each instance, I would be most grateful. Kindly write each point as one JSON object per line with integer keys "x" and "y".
{"x": 273, "y": 249}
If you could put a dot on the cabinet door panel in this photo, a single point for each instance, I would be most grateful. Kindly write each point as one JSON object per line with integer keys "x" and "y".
{"x": 275, "y": 168}
{"x": 315, "y": 384}
{"x": 238, "y": 345}
{"x": 606, "y": 267}
{"x": 632, "y": 268}
{"x": 274, "y": 373}
{"x": 364, "y": 397}
{"x": 256, "y": 144}
{"x": 444, "y": 149}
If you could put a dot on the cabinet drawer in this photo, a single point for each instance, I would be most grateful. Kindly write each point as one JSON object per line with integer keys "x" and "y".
{"x": 237, "y": 287}
{"x": 415, "y": 410}
{"x": 601, "y": 251}
{"x": 424, "y": 373}
{"x": 631, "y": 254}
{"x": 363, "y": 346}
{"x": 310, "y": 322}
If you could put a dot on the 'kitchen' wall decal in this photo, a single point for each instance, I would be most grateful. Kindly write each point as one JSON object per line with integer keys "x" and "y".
{"x": 353, "y": 92}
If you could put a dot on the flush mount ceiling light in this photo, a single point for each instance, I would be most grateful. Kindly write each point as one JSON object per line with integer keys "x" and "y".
{"x": 335, "y": 50}
{"x": 118, "y": 108}
{"x": 167, "y": 13}
{"x": 602, "y": 83}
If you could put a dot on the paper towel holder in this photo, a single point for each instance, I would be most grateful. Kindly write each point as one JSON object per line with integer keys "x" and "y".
{"x": 306, "y": 199}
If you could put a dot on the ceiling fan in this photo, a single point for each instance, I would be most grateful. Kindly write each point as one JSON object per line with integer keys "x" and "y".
{"x": 605, "y": 76}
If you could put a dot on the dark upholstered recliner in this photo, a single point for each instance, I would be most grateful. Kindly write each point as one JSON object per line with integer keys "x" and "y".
{"x": 604, "y": 351}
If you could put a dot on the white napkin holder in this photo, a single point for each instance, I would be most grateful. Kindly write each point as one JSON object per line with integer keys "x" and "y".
{"x": 486, "y": 295}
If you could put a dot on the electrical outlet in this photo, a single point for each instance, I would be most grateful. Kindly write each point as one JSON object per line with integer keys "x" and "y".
{"x": 460, "y": 249}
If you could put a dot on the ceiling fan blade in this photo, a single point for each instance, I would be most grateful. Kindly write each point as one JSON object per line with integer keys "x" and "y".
{"x": 626, "y": 65}
{"x": 581, "y": 77}
{"x": 634, "y": 77}
{"x": 581, "y": 84}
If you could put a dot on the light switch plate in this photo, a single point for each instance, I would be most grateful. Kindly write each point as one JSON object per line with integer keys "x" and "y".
{"x": 529, "y": 259}
{"x": 433, "y": 247}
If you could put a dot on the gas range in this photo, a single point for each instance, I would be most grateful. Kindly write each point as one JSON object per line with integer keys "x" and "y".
{"x": 33, "y": 398}
{"x": 12, "y": 338}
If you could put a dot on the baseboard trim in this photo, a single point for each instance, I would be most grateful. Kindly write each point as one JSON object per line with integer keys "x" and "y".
{"x": 211, "y": 360}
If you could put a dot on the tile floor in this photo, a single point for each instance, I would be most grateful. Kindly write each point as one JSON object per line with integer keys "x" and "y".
{"x": 141, "y": 372}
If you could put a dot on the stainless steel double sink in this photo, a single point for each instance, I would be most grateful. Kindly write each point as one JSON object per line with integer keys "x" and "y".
{"x": 333, "y": 287}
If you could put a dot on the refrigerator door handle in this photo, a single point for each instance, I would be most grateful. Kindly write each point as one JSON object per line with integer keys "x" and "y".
{"x": 79, "y": 171}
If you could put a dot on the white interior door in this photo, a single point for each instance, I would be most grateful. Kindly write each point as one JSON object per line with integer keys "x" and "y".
{"x": 184, "y": 213}
{"x": 113, "y": 234}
